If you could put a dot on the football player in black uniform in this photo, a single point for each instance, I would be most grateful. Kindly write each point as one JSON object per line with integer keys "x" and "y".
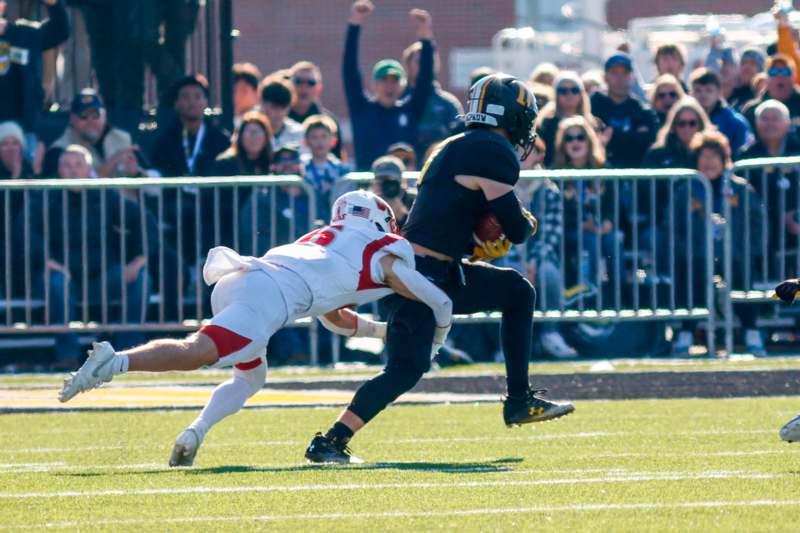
{"x": 466, "y": 176}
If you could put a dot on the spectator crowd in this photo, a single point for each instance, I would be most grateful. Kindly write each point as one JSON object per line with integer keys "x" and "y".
{"x": 739, "y": 104}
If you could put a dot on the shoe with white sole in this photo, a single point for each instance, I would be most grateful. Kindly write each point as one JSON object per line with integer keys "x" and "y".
{"x": 790, "y": 432}
{"x": 754, "y": 343}
{"x": 185, "y": 449}
{"x": 97, "y": 369}
{"x": 554, "y": 345}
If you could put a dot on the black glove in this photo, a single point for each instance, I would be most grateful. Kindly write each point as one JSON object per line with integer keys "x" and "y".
{"x": 787, "y": 290}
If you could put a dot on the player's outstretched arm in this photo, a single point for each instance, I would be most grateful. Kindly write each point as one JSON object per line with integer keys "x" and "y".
{"x": 409, "y": 283}
{"x": 348, "y": 323}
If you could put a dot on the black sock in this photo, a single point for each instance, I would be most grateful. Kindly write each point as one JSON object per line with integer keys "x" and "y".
{"x": 340, "y": 433}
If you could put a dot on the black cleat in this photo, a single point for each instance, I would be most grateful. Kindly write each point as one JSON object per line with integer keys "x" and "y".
{"x": 325, "y": 450}
{"x": 532, "y": 408}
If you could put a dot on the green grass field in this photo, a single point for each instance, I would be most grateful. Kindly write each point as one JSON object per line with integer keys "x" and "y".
{"x": 661, "y": 465}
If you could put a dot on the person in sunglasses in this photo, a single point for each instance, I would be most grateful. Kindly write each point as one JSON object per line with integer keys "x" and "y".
{"x": 671, "y": 149}
{"x": 579, "y": 147}
{"x": 571, "y": 99}
{"x": 666, "y": 91}
{"x": 307, "y": 80}
{"x": 781, "y": 86}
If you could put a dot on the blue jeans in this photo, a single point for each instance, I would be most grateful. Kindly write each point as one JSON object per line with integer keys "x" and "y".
{"x": 62, "y": 311}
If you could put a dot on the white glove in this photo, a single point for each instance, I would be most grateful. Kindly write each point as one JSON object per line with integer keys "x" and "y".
{"x": 439, "y": 336}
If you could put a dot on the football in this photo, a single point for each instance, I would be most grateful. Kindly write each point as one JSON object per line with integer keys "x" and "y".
{"x": 488, "y": 228}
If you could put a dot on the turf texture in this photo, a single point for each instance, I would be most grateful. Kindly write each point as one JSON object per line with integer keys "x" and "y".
{"x": 660, "y": 465}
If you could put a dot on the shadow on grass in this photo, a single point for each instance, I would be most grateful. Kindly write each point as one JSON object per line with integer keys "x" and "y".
{"x": 470, "y": 467}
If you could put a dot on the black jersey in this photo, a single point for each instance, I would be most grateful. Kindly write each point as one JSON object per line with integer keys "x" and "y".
{"x": 445, "y": 213}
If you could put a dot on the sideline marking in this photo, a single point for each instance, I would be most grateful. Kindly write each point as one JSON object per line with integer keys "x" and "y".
{"x": 383, "y": 486}
{"x": 421, "y": 440}
{"x": 421, "y": 514}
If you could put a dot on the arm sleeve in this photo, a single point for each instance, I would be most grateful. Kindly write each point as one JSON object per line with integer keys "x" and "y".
{"x": 424, "y": 88}
{"x": 508, "y": 210}
{"x": 55, "y": 30}
{"x": 353, "y": 88}
{"x": 426, "y": 292}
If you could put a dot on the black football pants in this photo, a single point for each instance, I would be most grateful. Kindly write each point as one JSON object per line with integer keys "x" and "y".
{"x": 473, "y": 287}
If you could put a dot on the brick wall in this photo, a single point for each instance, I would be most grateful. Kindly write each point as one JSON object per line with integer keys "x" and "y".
{"x": 277, "y": 33}
{"x": 619, "y": 12}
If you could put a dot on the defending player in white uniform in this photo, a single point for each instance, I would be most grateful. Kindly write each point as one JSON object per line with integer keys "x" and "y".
{"x": 357, "y": 259}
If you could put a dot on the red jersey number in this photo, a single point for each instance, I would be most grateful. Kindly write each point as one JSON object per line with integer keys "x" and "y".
{"x": 321, "y": 237}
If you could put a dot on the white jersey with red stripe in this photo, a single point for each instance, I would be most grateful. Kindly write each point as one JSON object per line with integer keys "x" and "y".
{"x": 341, "y": 264}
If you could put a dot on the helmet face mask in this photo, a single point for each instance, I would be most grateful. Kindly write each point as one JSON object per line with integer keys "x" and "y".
{"x": 502, "y": 101}
{"x": 365, "y": 210}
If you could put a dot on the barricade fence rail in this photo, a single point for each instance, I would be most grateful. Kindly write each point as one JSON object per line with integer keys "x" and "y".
{"x": 126, "y": 255}
{"x": 614, "y": 245}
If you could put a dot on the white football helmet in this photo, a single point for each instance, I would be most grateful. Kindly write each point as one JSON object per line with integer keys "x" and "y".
{"x": 364, "y": 209}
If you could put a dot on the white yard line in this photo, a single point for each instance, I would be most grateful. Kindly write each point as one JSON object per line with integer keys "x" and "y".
{"x": 591, "y": 507}
{"x": 421, "y": 440}
{"x": 385, "y": 486}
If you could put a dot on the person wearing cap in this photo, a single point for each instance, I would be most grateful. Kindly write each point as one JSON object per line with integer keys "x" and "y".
{"x": 89, "y": 127}
{"x": 383, "y": 118}
{"x": 388, "y": 184}
{"x": 632, "y": 123}
{"x": 22, "y": 43}
{"x": 405, "y": 153}
{"x": 440, "y": 119}
{"x": 751, "y": 63}
{"x": 781, "y": 86}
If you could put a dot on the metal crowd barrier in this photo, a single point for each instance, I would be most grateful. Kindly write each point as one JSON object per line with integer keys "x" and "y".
{"x": 657, "y": 265}
{"x": 762, "y": 234}
{"x": 69, "y": 246}
{"x": 630, "y": 270}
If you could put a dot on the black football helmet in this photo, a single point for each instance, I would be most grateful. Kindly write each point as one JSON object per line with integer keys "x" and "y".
{"x": 502, "y": 101}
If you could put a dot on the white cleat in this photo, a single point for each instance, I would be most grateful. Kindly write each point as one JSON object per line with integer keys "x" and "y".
{"x": 186, "y": 446}
{"x": 791, "y": 431}
{"x": 97, "y": 369}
